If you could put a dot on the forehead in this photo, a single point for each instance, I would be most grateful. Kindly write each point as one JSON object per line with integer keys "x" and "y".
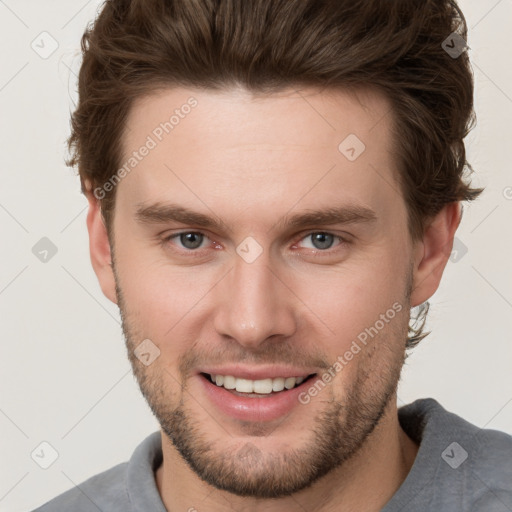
{"x": 234, "y": 148}
{"x": 305, "y": 117}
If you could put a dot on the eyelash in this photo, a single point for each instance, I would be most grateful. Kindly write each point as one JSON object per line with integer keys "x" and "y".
{"x": 342, "y": 242}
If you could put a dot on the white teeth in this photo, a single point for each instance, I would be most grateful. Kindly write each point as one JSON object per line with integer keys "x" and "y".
{"x": 278, "y": 384}
{"x": 289, "y": 383}
{"x": 229, "y": 382}
{"x": 263, "y": 386}
{"x": 244, "y": 385}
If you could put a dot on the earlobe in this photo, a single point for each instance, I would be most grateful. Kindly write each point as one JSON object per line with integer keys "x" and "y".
{"x": 99, "y": 248}
{"x": 432, "y": 252}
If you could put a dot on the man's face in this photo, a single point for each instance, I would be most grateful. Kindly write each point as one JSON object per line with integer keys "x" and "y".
{"x": 256, "y": 296}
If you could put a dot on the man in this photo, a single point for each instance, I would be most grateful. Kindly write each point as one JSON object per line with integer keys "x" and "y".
{"x": 273, "y": 185}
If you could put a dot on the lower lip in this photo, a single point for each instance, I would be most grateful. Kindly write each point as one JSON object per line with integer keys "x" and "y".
{"x": 269, "y": 407}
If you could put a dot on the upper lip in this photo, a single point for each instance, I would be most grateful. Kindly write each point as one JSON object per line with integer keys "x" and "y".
{"x": 258, "y": 372}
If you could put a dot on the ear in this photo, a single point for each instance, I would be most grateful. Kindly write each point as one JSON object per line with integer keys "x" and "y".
{"x": 432, "y": 252}
{"x": 99, "y": 248}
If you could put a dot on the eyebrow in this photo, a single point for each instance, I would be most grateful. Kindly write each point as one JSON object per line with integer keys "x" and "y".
{"x": 160, "y": 213}
{"x": 348, "y": 214}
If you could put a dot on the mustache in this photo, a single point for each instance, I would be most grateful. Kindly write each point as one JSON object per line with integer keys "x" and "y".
{"x": 274, "y": 352}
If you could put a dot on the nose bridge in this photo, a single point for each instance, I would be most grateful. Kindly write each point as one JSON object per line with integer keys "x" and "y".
{"x": 255, "y": 304}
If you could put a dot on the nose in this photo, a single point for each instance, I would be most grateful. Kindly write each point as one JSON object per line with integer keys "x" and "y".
{"x": 254, "y": 304}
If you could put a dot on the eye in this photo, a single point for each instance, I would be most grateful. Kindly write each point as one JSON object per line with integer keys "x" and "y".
{"x": 190, "y": 240}
{"x": 321, "y": 240}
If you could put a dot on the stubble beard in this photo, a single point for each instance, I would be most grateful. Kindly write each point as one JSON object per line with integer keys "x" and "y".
{"x": 339, "y": 431}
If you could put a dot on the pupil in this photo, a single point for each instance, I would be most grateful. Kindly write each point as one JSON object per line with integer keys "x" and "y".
{"x": 322, "y": 240}
{"x": 191, "y": 240}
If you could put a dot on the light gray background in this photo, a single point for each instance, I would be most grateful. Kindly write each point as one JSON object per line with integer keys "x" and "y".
{"x": 65, "y": 377}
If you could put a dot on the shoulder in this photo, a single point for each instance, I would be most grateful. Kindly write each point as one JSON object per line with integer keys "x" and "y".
{"x": 125, "y": 487}
{"x": 475, "y": 463}
{"x": 489, "y": 454}
{"x": 493, "y": 445}
{"x": 100, "y": 492}
{"x": 486, "y": 464}
{"x": 427, "y": 420}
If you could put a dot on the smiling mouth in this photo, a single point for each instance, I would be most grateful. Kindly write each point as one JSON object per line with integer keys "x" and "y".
{"x": 256, "y": 388}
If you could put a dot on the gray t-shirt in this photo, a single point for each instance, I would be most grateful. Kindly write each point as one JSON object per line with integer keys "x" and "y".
{"x": 459, "y": 467}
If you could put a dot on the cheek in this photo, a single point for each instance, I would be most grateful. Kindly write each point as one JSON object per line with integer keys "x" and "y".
{"x": 159, "y": 297}
{"x": 353, "y": 297}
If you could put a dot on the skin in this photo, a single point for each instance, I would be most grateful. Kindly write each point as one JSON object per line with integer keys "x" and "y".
{"x": 251, "y": 161}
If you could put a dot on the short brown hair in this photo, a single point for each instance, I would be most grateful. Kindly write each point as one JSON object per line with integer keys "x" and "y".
{"x": 135, "y": 47}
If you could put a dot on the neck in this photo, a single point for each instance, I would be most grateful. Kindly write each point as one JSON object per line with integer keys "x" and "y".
{"x": 365, "y": 482}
